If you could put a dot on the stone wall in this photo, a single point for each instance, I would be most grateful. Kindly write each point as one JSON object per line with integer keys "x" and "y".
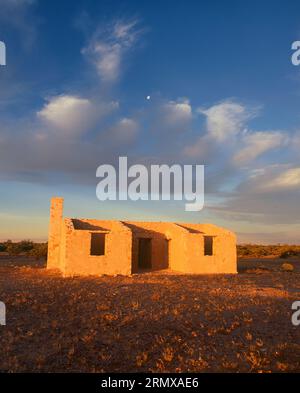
{"x": 177, "y": 246}
{"x": 54, "y": 239}
{"x": 117, "y": 256}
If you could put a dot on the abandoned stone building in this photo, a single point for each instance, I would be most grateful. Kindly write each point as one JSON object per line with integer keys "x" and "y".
{"x": 84, "y": 246}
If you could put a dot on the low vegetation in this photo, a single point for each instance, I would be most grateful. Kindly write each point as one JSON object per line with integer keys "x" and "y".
{"x": 260, "y": 251}
{"x": 25, "y": 247}
{"x": 150, "y": 322}
{"x": 287, "y": 267}
{"x": 154, "y": 322}
{"x": 39, "y": 250}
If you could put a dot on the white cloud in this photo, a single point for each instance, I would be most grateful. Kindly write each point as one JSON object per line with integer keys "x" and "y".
{"x": 200, "y": 149}
{"x": 108, "y": 47}
{"x": 72, "y": 115}
{"x": 257, "y": 143}
{"x": 124, "y": 132}
{"x": 268, "y": 197}
{"x": 271, "y": 179}
{"x": 227, "y": 122}
{"x": 287, "y": 180}
{"x": 67, "y": 113}
{"x": 177, "y": 113}
{"x": 226, "y": 119}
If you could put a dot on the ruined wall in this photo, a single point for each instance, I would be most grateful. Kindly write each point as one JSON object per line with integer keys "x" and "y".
{"x": 66, "y": 228}
{"x": 179, "y": 247}
{"x": 224, "y": 258}
{"x": 54, "y": 238}
{"x": 117, "y": 257}
{"x": 159, "y": 243}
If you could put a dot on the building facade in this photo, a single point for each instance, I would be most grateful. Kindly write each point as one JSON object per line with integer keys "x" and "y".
{"x": 96, "y": 247}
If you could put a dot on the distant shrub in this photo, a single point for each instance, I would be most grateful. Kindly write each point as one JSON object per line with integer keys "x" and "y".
{"x": 290, "y": 253}
{"x": 287, "y": 267}
{"x": 39, "y": 251}
{"x": 27, "y": 247}
{"x": 23, "y": 246}
{"x": 260, "y": 251}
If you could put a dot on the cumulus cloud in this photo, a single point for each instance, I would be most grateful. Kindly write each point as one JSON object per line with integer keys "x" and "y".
{"x": 121, "y": 134}
{"x": 108, "y": 47}
{"x": 200, "y": 149}
{"x": 224, "y": 122}
{"x": 125, "y": 130}
{"x": 72, "y": 115}
{"x": 55, "y": 141}
{"x": 264, "y": 191}
{"x": 226, "y": 119}
{"x": 177, "y": 113}
{"x": 226, "y": 131}
{"x": 36, "y": 156}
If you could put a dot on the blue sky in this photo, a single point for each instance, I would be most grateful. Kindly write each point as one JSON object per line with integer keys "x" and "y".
{"x": 224, "y": 93}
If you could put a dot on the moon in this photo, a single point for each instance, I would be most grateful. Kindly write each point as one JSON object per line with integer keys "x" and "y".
{"x": 148, "y": 98}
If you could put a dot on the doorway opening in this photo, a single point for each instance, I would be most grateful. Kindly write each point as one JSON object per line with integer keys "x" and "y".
{"x": 144, "y": 253}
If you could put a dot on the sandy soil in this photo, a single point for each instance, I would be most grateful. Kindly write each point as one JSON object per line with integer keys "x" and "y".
{"x": 150, "y": 322}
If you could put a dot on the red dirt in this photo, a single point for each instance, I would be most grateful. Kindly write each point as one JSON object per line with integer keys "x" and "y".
{"x": 150, "y": 322}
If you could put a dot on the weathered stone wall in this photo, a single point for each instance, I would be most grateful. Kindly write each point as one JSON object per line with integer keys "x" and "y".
{"x": 223, "y": 260}
{"x": 54, "y": 239}
{"x": 179, "y": 247}
{"x": 168, "y": 244}
{"x": 159, "y": 250}
{"x": 117, "y": 257}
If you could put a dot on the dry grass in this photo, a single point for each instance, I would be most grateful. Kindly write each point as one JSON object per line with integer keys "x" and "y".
{"x": 150, "y": 322}
{"x": 261, "y": 251}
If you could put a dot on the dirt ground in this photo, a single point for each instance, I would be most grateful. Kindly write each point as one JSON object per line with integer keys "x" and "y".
{"x": 157, "y": 322}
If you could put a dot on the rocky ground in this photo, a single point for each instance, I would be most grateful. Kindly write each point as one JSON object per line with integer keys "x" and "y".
{"x": 150, "y": 322}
